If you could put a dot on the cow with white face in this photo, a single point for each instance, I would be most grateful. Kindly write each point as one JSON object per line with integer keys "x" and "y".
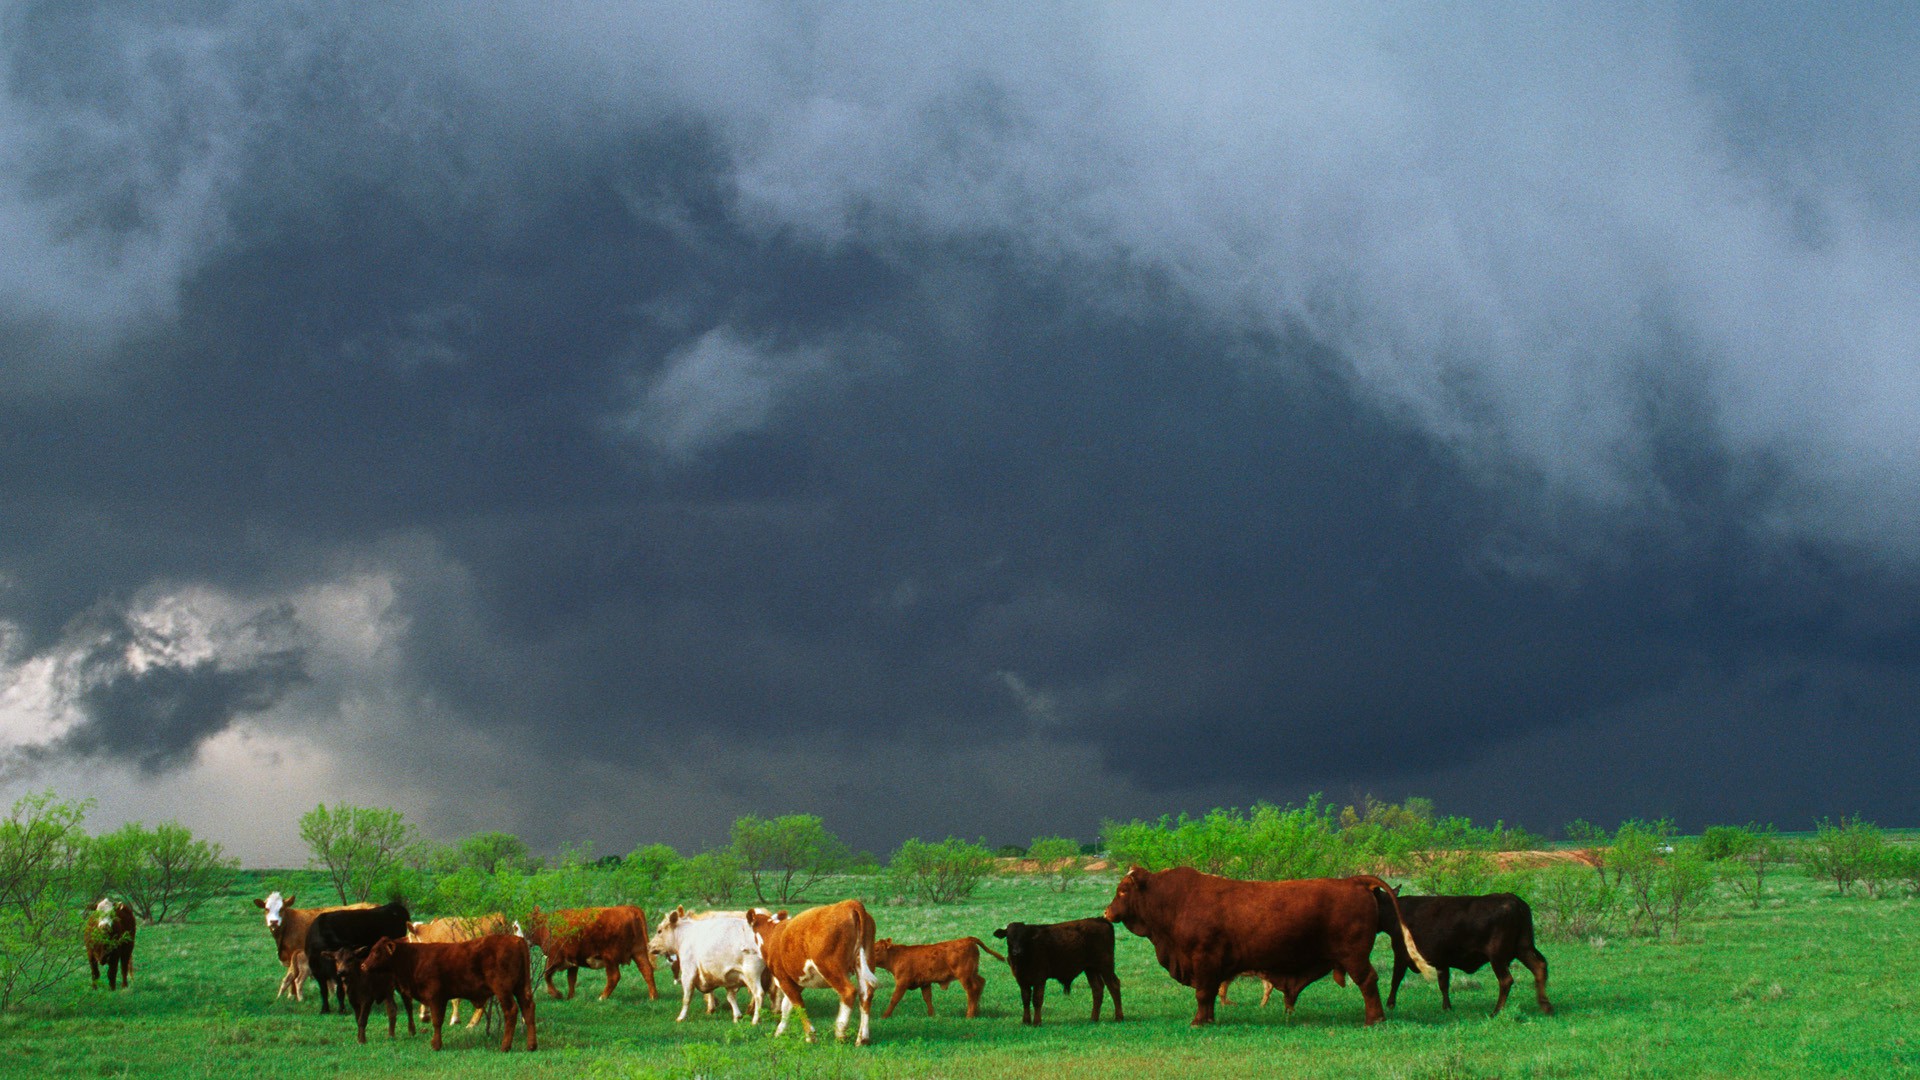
{"x": 711, "y": 952}
{"x": 289, "y": 925}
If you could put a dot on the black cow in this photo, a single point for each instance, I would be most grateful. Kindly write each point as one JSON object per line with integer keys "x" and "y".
{"x": 1466, "y": 932}
{"x": 349, "y": 928}
{"x": 1062, "y": 952}
{"x": 364, "y": 989}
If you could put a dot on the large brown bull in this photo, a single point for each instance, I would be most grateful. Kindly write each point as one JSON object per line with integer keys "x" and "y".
{"x": 1205, "y": 930}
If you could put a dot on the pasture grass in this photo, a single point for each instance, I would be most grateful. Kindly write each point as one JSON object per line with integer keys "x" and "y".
{"x": 1810, "y": 984}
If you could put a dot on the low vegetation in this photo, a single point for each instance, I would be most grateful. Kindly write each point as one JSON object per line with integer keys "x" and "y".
{"x": 1672, "y": 956}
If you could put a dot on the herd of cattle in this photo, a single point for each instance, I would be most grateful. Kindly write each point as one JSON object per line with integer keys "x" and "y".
{"x": 1205, "y": 931}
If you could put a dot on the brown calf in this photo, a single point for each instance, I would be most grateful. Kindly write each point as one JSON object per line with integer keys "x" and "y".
{"x": 109, "y": 940}
{"x": 919, "y": 967}
{"x": 604, "y": 937}
{"x": 827, "y": 947}
{"x": 494, "y": 968}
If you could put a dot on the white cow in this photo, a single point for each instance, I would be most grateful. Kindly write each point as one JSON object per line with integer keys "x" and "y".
{"x": 709, "y": 952}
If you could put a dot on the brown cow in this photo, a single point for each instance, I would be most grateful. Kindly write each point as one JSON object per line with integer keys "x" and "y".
{"x": 828, "y": 947}
{"x": 289, "y": 926}
{"x": 457, "y": 928}
{"x": 919, "y": 967}
{"x": 1205, "y": 929}
{"x": 498, "y": 967}
{"x": 603, "y": 937}
{"x": 109, "y": 940}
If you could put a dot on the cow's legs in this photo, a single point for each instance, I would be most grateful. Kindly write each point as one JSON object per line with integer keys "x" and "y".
{"x": 1399, "y": 972}
{"x": 1113, "y": 987}
{"x": 899, "y": 991}
{"x": 1266, "y": 993}
{"x": 613, "y": 980}
{"x": 1502, "y": 971}
{"x": 437, "y": 1012}
{"x": 573, "y": 981}
{"x": 1039, "y": 998}
{"x": 1206, "y": 990}
{"x": 927, "y": 993}
{"x": 526, "y": 1012}
{"x": 789, "y": 1004}
{"x": 1288, "y": 996}
{"x": 645, "y": 964}
{"x": 1026, "y": 1004}
{"x": 974, "y": 984}
{"x": 1360, "y": 969}
{"x": 1099, "y": 989}
{"x": 686, "y": 1000}
{"x": 1445, "y": 982}
{"x": 1537, "y": 964}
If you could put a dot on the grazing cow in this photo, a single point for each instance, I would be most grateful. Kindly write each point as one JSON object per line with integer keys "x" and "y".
{"x": 288, "y": 925}
{"x": 919, "y": 967}
{"x": 457, "y": 928}
{"x": 1205, "y": 929}
{"x": 498, "y": 967}
{"x": 109, "y": 940}
{"x": 829, "y": 947}
{"x": 350, "y": 928}
{"x": 1466, "y": 932}
{"x": 708, "y": 952}
{"x": 363, "y": 988}
{"x": 602, "y": 937}
{"x": 1062, "y": 952}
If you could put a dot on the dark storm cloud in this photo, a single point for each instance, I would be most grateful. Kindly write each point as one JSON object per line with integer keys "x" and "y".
{"x": 1341, "y": 400}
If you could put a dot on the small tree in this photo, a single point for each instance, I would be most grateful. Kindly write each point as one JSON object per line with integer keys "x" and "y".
{"x": 163, "y": 873}
{"x": 650, "y": 872}
{"x": 786, "y": 854}
{"x": 44, "y": 886}
{"x": 1573, "y": 904}
{"x": 1635, "y": 858}
{"x": 490, "y": 852}
{"x": 713, "y": 876}
{"x": 940, "y": 873}
{"x": 361, "y": 848}
{"x": 1750, "y": 853}
{"x": 1844, "y": 853}
{"x": 1684, "y": 883}
{"x": 1059, "y": 859}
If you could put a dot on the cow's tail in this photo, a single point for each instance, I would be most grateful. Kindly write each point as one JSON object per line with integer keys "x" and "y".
{"x": 1427, "y": 971}
{"x": 864, "y": 928}
{"x": 988, "y": 949}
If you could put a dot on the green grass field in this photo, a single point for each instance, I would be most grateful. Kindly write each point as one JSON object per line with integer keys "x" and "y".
{"x": 1809, "y": 985}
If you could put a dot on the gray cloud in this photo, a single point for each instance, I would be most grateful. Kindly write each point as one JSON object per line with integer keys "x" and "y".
{"x": 1326, "y": 398}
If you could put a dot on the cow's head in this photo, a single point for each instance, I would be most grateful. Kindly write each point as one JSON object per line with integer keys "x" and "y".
{"x": 1124, "y": 908}
{"x": 379, "y": 956}
{"x": 1018, "y": 935}
{"x": 883, "y": 953}
{"x": 764, "y": 923}
{"x": 665, "y": 942}
{"x": 104, "y": 909}
{"x": 274, "y": 905}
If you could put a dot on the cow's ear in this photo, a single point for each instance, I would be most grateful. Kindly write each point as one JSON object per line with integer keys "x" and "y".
{"x": 259, "y": 903}
{"x": 781, "y": 915}
{"x": 1002, "y": 932}
{"x": 288, "y": 902}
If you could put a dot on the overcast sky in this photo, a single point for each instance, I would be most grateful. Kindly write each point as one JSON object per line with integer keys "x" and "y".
{"x": 598, "y": 420}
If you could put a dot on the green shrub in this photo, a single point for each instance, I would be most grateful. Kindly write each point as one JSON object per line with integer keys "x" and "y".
{"x": 362, "y": 849}
{"x": 713, "y": 876}
{"x": 1747, "y": 854}
{"x": 1572, "y": 903}
{"x": 940, "y": 873}
{"x": 1844, "y": 853}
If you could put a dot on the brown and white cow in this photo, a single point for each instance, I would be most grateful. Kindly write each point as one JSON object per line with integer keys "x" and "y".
{"x": 1206, "y": 929}
{"x": 109, "y": 939}
{"x": 457, "y": 928}
{"x": 942, "y": 963}
{"x": 603, "y": 937}
{"x": 289, "y": 926}
{"x": 498, "y": 967}
{"x": 827, "y": 947}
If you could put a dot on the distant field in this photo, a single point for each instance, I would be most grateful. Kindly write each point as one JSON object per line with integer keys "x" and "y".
{"x": 1809, "y": 985}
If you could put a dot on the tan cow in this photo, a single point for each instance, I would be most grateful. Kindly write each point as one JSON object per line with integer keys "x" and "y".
{"x": 825, "y": 947}
{"x": 289, "y": 926}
